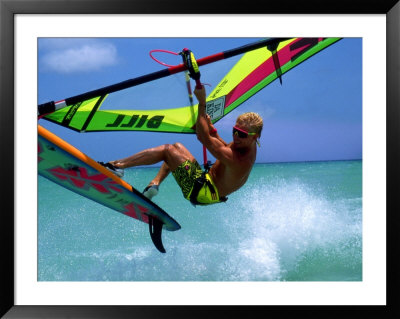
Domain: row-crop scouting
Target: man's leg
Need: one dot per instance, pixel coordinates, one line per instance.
(161, 175)
(152, 189)
(173, 155)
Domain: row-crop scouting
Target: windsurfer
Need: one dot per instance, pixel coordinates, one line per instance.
(233, 165)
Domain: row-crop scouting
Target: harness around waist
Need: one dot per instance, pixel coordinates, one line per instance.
(204, 191)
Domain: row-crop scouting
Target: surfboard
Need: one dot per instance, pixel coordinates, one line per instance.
(67, 166)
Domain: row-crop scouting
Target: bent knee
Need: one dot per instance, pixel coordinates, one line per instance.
(167, 148)
(178, 145)
(173, 148)
(177, 149)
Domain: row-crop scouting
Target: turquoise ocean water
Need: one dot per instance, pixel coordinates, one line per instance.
(290, 222)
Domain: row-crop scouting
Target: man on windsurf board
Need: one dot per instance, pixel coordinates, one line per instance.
(234, 161)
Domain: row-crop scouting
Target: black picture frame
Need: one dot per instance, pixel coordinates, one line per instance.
(8, 10)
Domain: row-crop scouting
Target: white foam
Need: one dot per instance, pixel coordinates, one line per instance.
(285, 220)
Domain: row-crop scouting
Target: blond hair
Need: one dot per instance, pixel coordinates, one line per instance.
(252, 120)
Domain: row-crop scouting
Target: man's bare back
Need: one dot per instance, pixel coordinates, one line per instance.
(230, 177)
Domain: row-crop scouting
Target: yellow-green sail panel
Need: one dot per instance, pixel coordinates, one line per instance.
(85, 117)
(255, 70)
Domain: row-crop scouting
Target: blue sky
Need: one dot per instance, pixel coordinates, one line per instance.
(315, 115)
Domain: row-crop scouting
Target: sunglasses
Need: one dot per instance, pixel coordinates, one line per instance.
(241, 133)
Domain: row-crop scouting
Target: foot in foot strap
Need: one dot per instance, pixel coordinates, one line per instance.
(117, 171)
(150, 191)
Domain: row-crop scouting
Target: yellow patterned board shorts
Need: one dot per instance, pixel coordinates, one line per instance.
(187, 175)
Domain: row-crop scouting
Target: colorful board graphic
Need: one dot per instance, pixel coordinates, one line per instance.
(65, 165)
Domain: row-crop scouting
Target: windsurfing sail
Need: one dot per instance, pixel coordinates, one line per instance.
(262, 63)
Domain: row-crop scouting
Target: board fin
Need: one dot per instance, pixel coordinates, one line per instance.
(155, 228)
